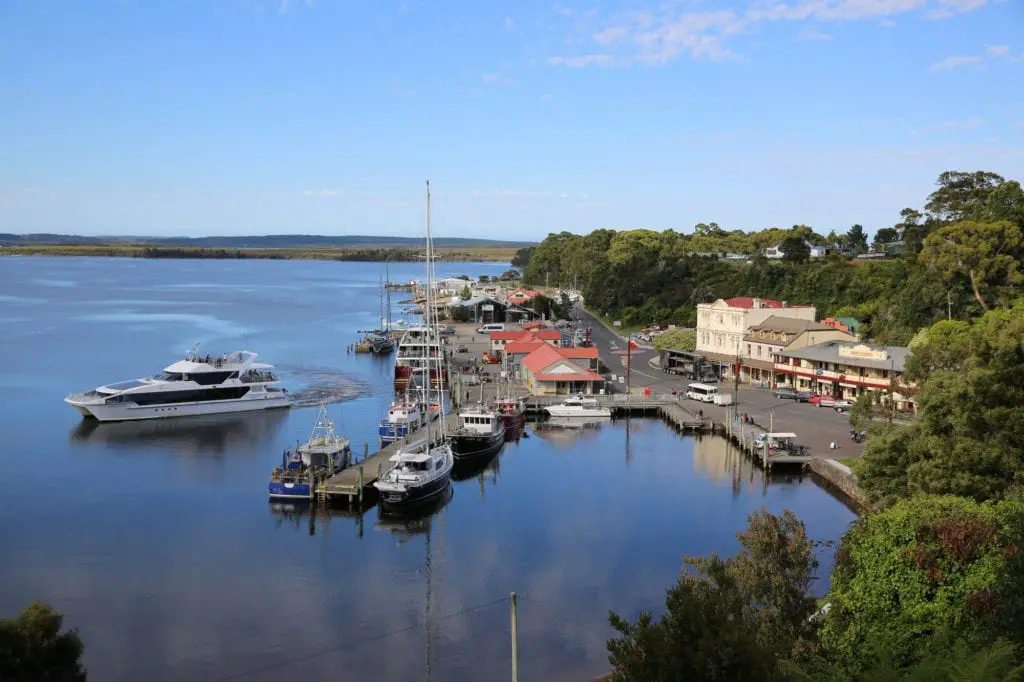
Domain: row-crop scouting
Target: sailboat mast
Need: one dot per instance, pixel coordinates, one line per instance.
(426, 317)
(387, 294)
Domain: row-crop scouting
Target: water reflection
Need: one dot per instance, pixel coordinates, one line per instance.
(567, 430)
(408, 524)
(207, 435)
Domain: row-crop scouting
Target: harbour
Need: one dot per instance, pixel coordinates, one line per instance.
(561, 516)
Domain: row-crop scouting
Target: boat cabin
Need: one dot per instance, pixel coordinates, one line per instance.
(580, 401)
(409, 465)
(478, 420)
(776, 441)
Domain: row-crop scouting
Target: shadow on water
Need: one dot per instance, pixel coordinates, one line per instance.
(194, 436)
(414, 522)
(324, 385)
(468, 470)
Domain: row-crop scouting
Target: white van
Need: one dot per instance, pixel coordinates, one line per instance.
(493, 327)
(705, 393)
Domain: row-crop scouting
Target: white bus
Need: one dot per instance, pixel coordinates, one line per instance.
(702, 392)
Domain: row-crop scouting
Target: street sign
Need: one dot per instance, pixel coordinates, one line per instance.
(617, 323)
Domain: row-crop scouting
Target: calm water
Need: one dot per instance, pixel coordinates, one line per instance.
(156, 539)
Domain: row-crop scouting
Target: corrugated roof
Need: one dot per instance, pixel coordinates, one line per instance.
(788, 325)
(577, 376)
(542, 358)
(523, 346)
(589, 352)
(829, 352)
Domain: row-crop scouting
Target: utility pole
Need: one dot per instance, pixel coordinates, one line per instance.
(949, 306)
(737, 380)
(628, 358)
(515, 640)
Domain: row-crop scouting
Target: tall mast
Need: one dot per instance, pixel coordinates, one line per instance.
(387, 294)
(426, 318)
(380, 301)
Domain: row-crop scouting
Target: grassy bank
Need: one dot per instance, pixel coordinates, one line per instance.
(126, 250)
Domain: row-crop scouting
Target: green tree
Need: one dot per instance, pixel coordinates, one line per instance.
(962, 195)
(726, 619)
(943, 659)
(676, 339)
(885, 235)
(926, 565)
(466, 293)
(968, 438)
(795, 249)
(983, 252)
(522, 257)
(33, 648)
(857, 239)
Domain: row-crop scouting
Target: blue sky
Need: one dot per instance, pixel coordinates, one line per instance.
(194, 117)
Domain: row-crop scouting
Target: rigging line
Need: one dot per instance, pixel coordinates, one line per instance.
(360, 642)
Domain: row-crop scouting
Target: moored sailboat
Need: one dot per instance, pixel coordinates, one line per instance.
(422, 472)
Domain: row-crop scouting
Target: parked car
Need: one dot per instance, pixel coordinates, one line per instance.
(827, 401)
(842, 405)
(462, 348)
(787, 393)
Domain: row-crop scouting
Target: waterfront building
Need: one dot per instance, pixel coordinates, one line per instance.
(549, 370)
(499, 340)
(722, 326)
(847, 369)
(777, 334)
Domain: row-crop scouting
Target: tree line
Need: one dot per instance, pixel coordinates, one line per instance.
(959, 258)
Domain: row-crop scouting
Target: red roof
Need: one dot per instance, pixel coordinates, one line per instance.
(589, 353)
(536, 325)
(523, 346)
(524, 293)
(509, 336)
(543, 357)
(748, 302)
(577, 376)
(548, 334)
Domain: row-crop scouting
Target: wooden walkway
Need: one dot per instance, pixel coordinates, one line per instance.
(351, 481)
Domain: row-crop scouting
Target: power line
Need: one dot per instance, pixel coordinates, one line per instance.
(350, 645)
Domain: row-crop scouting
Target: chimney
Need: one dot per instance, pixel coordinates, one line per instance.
(784, 304)
(757, 303)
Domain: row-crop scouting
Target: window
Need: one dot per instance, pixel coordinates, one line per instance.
(758, 350)
(748, 349)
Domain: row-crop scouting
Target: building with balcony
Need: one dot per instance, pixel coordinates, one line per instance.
(846, 369)
(776, 335)
(722, 326)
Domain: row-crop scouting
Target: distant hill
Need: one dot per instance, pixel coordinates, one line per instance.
(271, 241)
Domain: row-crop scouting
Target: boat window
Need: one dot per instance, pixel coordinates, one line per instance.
(167, 397)
(438, 465)
(168, 376)
(210, 378)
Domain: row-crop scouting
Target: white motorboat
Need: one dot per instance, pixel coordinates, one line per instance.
(234, 382)
(578, 406)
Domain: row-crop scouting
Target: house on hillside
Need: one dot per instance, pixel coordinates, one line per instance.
(776, 252)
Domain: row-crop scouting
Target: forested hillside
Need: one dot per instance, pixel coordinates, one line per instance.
(962, 254)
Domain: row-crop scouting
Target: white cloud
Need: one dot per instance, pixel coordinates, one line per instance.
(494, 79)
(950, 8)
(997, 50)
(546, 97)
(509, 22)
(564, 11)
(585, 60)
(955, 63)
(675, 28)
(888, 23)
(812, 34)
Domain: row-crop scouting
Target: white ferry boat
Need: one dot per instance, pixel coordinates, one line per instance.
(196, 385)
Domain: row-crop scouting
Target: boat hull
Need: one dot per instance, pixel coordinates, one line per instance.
(514, 424)
(280, 490)
(117, 412)
(414, 496)
(473, 446)
(560, 411)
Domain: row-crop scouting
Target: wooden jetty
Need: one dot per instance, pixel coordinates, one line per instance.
(361, 474)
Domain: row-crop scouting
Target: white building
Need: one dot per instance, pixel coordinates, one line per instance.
(722, 325)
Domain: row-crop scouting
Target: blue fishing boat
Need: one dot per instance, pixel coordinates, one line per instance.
(323, 455)
(404, 416)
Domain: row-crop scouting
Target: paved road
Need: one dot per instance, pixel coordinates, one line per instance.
(816, 427)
